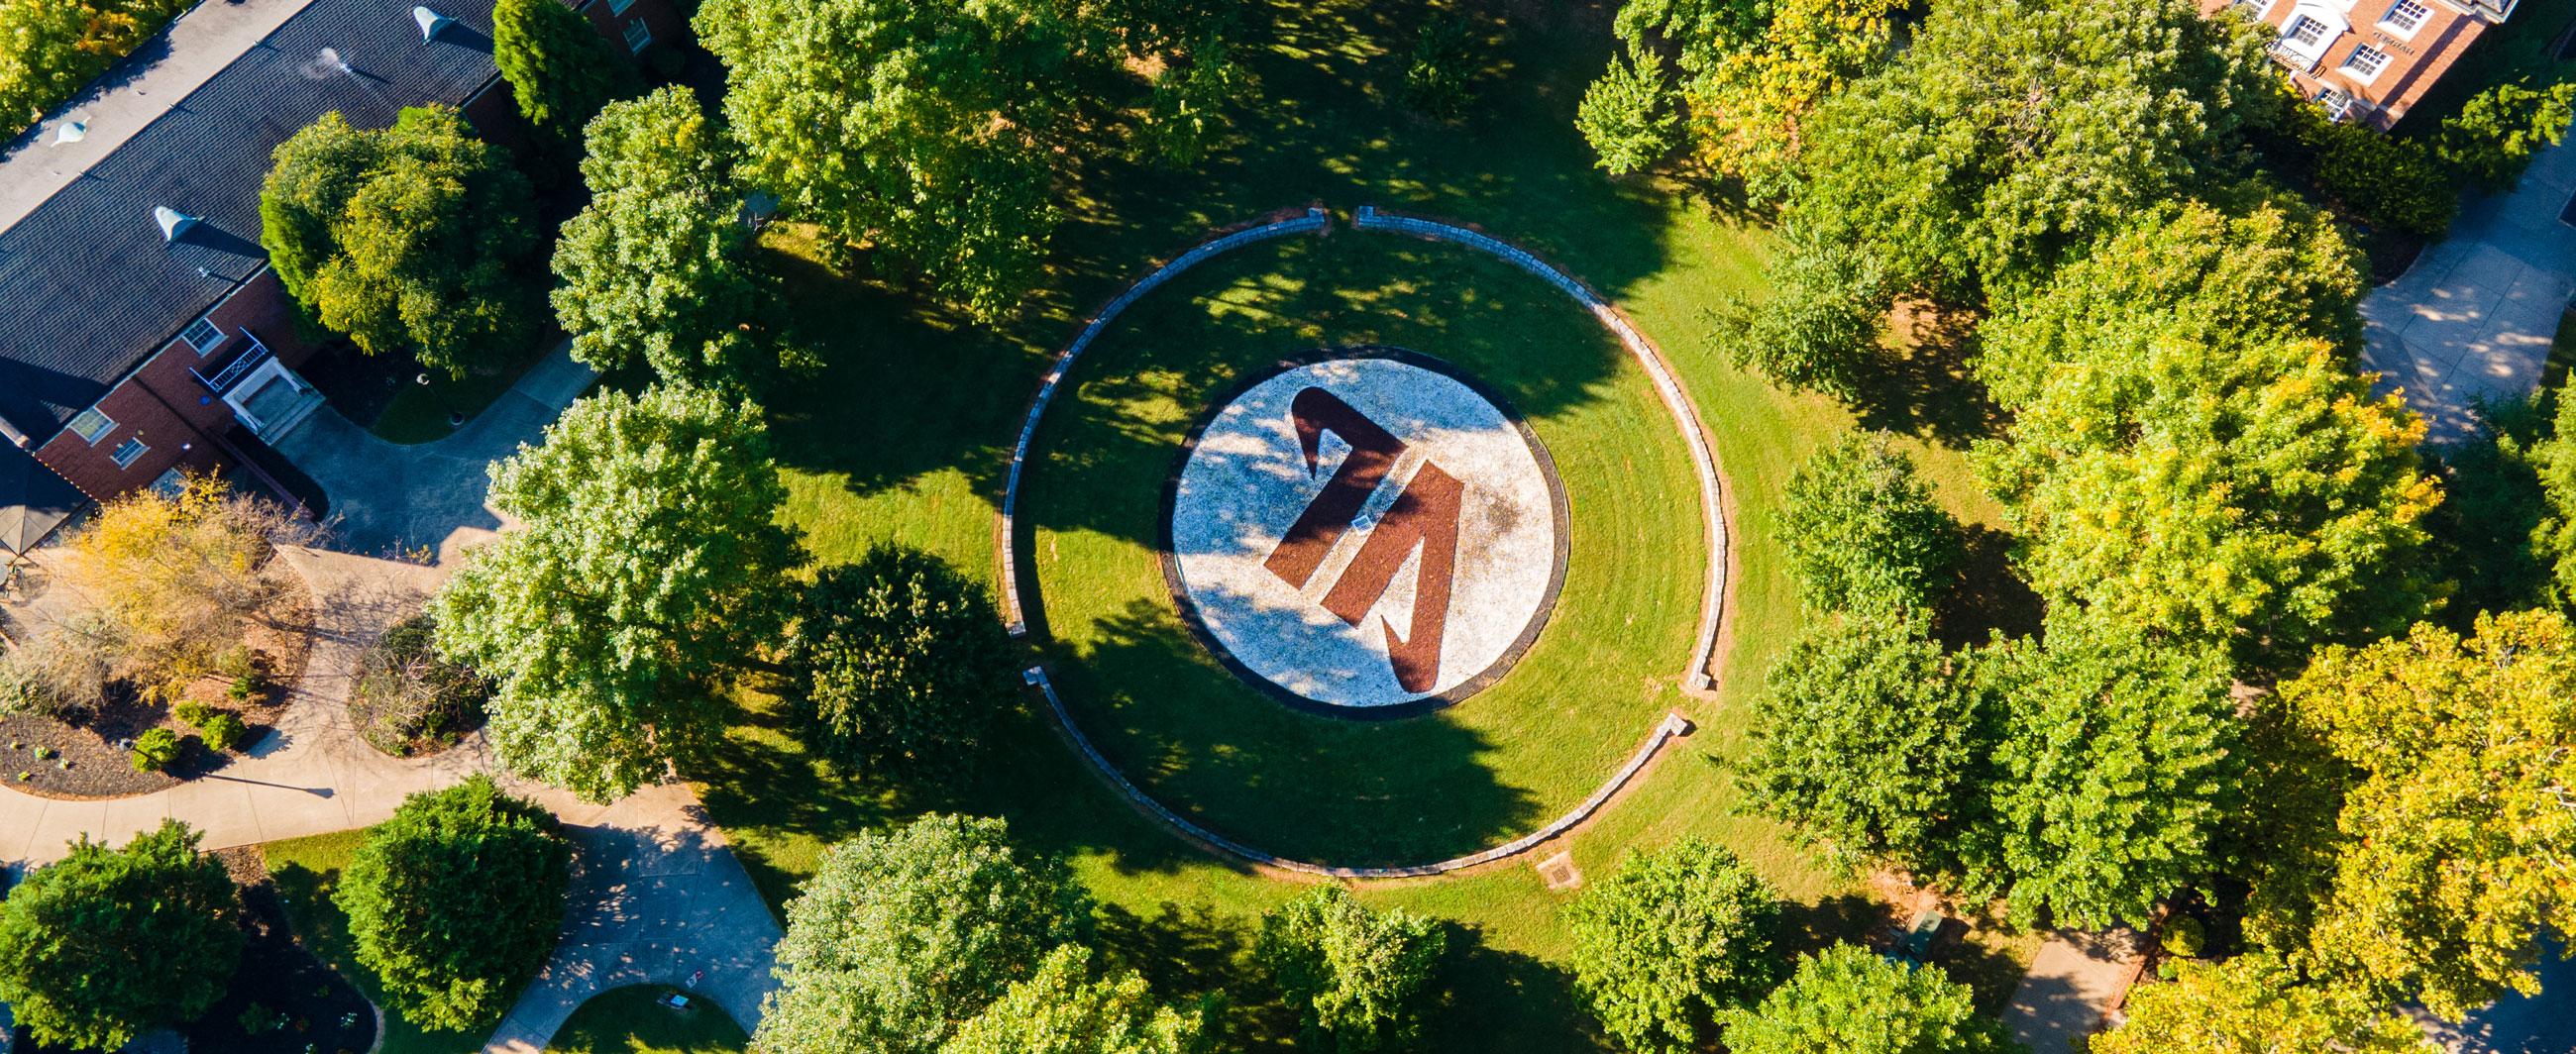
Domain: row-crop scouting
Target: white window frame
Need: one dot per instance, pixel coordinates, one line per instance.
(129, 452)
(2352, 66)
(2388, 19)
(106, 425)
(638, 37)
(189, 335)
(2290, 32)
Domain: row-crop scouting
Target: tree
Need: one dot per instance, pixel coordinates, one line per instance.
(650, 566)
(1870, 741)
(2458, 836)
(1848, 1000)
(2552, 462)
(656, 265)
(2191, 451)
(1750, 74)
(2011, 136)
(2253, 1004)
(1821, 323)
(1440, 70)
(560, 69)
(1061, 1010)
(902, 937)
(2498, 131)
(1356, 978)
(902, 660)
(1187, 109)
(1862, 531)
(930, 130)
(456, 901)
(107, 944)
(414, 238)
(2384, 180)
(1669, 941)
(2114, 772)
(56, 48)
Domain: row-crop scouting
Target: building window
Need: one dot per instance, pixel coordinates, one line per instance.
(637, 35)
(2365, 62)
(2406, 16)
(92, 425)
(2304, 31)
(127, 451)
(202, 335)
(2337, 104)
(618, 7)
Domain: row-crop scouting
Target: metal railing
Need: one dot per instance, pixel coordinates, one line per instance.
(233, 372)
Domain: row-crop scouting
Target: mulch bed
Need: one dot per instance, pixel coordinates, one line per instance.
(297, 1003)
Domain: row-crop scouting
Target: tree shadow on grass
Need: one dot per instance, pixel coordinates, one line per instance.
(1523, 1002)
(1988, 597)
(1924, 385)
(1194, 957)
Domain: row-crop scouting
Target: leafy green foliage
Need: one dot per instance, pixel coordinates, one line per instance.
(413, 238)
(1187, 110)
(223, 730)
(1669, 941)
(560, 69)
(1440, 69)
(2113, 774)
(2458, 836)
(2498, 131)
(902, 660)
(656, 266)
(56, 47)
(902, 937)
(1750, 74)
(1820, 325)
(1848, 1000)
(456, 901)
(1358, 979)
(649, 567)
(2385, 180)
(106, 944)
(1868, 741)
(2253, 1003)
(2497, 536)
(2010, 136)
(2552, 463)
(1061, 1010)
(2191, 451)
(928, 129)
(1862, 531)
(155, 749)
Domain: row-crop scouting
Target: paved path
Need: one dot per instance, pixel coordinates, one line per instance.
(396, 497)
(2473, 319)
(2071, 986)
(146, 84)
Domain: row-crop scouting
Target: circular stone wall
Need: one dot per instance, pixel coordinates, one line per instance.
(1367, 533)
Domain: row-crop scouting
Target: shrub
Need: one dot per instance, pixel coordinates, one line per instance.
(1443, 62)
(155, 749)
(2385, 180)
(192, 713)
(223, 730)
(1863, 532)
(2185, 936)
(455, 902)
(2496, 133)
(1848, 1000)
(407, 694)
(1671, 940)
(1357, 978)
(902, 660)
(108, 944)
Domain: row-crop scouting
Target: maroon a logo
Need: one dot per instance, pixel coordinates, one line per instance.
(1425, 514)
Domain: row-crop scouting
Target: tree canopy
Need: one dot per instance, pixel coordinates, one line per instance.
(901, 661)
(56, 48)
(2253, 1003)
(649, 566)
(107, 944)
(560, 69)
(1669, 941)
(657, 265)
(2458, 836)
(1359, 980)
(903, 937)
(1061, 1009)
(2191, 451)
(1849, 1000)
(1862, 531)
(415, 238)
(455, 902)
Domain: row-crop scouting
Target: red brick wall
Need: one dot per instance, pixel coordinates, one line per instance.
(2415, 60)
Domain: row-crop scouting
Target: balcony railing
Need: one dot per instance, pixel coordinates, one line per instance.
(233, 372)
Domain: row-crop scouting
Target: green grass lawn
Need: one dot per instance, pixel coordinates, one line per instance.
(306, 870)
(905, 433)
(632, 1020)
(419, 413)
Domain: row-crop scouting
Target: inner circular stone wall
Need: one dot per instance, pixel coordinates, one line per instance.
(1366, 532)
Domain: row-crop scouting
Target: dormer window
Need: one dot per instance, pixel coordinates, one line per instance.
(2304, 31)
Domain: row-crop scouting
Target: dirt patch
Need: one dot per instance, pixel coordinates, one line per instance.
(55, 759)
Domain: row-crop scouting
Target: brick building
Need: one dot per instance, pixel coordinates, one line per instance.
(2367, 61)
(141, 330)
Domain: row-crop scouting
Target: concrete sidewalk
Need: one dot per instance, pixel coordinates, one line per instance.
(2073, 982)
(2474, 317)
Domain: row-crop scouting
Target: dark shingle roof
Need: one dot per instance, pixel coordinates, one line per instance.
(87, 288)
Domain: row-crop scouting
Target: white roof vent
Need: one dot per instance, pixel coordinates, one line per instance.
(71, 132)
(174, 223)
(431, 22)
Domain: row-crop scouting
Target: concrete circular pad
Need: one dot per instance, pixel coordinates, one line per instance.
(1365, 533)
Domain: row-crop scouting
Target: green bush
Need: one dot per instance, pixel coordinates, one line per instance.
(192, 713)
(1443, 61)
(223, 730)
(455, 902)
(1670, 941)
(107, 944)
(2497, 132)
(1359, 980)
(2384, 180)
(902, 661)
(2185, 936)
(155, 749)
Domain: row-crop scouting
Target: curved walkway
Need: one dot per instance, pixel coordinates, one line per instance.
(1676, 401)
